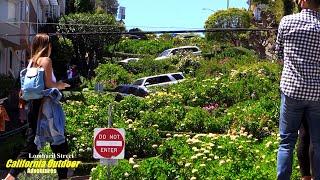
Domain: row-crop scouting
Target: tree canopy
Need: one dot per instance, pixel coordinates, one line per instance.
(82, 6)
(230, 18)
(96, 31)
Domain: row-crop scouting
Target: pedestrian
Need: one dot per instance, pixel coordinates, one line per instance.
(298, 46)
(41, 50)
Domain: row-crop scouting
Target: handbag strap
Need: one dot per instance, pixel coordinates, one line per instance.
(30, 64)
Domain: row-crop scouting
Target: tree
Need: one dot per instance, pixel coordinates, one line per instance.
(279, 8)
(140, 35)
(63, 52)
(93, 36)
(109, 6)
(231, 18)
(263, 41)
(83, 6)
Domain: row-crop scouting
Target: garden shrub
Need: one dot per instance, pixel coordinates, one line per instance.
(134, 46)
(227, 156)
(156, 168)
(196, 120)
(111, 75)
(258, 117)
(188, 63)
(130, 107)
(122, 171)
(150, 67)
(162, 99)
(84, 112)
(165, 118)
(140, 141)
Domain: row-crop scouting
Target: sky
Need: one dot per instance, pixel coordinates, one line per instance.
(157, 15)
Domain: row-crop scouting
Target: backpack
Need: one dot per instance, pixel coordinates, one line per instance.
(32, 82)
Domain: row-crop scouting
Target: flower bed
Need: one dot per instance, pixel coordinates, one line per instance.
(218, 126)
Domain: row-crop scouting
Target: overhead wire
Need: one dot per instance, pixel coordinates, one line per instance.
(150, 32)
(95, 25)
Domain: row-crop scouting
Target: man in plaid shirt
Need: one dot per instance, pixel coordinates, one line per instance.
(298, 46)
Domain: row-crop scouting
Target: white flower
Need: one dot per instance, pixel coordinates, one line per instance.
(194, 171)
(131, 161)
(216, 157)
(126, 174)
(222, 162)
(187, 164)
(195, 149)
(268, 144)
(81, 150)
(74, 139)
(135, 166)
(93, 169)
(202, 165)
(194, 157)
(154, 146)
(193, 178)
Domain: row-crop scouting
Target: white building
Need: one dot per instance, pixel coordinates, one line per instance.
(18, 19)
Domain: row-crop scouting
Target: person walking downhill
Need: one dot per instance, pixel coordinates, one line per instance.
(298, 46)
(41, 50)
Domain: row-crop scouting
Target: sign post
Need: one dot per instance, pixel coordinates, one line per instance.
(109, 144)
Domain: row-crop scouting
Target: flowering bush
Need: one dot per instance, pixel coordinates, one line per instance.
(111, 75)
(224, 156)
(236, 97)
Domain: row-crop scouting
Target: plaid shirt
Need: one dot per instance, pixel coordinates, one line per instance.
(298, 45)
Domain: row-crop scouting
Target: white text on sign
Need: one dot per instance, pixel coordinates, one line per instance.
(113, 136)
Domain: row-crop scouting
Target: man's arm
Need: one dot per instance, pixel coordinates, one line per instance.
(279, 42)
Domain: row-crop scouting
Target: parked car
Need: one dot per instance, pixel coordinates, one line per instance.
(173, 51)
(129, 89)
(159, 80)
(126, 61)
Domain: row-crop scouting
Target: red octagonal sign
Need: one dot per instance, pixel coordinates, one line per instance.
(109, 143)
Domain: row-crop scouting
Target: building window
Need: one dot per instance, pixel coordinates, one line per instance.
(21, 11)
(13, 13)
(10, 54)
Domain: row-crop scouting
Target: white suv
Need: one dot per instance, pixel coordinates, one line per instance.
(173, 51)
(159, 80)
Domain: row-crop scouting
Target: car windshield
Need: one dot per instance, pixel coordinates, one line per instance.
(164, 53)
(138, 82)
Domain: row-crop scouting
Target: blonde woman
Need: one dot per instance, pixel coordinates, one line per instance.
(41, 50)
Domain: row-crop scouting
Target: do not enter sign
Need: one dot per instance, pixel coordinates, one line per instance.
(109, 143)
